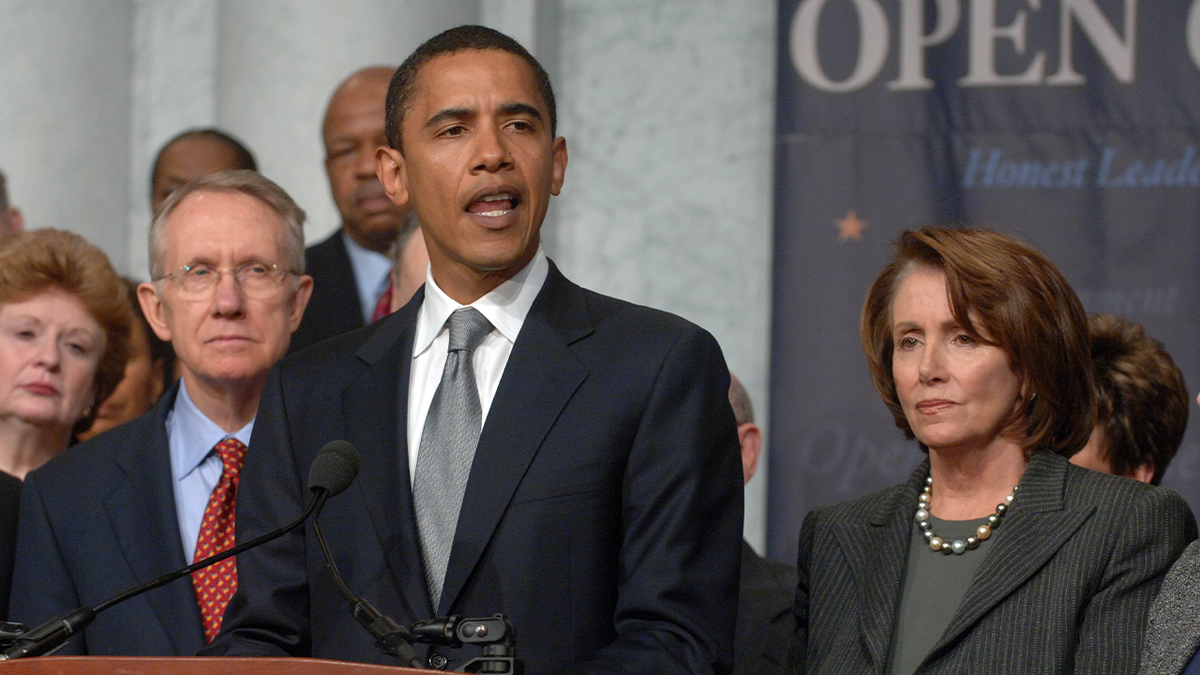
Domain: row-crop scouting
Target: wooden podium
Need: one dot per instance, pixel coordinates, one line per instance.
(193, 665)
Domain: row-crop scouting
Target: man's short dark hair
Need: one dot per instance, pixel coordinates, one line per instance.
(403, 87)
(3, 193)
(1141, 399)
(242, 158)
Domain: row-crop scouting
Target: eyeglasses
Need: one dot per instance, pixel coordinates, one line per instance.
(255, 279)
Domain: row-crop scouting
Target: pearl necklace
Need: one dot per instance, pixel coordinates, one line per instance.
(958, 546)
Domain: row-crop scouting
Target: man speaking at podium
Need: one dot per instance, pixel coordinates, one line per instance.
(529, 447)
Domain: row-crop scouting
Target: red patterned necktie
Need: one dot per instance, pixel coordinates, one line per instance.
(383, 306)
(215, 584)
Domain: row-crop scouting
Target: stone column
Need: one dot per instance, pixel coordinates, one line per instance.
(667, 111)
(174, 64)
(278, 61)
(65, 114)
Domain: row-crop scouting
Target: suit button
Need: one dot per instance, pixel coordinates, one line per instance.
(438, 661)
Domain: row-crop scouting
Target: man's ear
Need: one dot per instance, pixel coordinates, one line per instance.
(559, 158)
(304, 289)
(153, 310)
(750, 438)
(393, 173)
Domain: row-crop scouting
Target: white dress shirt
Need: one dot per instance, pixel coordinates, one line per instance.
(195, 468)
(371, 275)
(506, 307)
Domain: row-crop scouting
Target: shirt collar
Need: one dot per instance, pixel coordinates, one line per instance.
(506, 306)
(191, 435)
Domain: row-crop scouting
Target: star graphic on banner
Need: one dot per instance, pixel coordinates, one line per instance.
(851, 227)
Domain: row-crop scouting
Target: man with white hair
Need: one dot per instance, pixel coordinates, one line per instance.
(227, 259)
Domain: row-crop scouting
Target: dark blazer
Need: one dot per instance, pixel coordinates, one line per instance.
(334, 307)
(100, 519)
(1066, 585)
(1173, 631)
(603, 513)
(10, 510)
(765, 620)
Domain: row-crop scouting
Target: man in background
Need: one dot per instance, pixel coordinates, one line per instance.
(11, 220)
(410, 262)
(150, 496)
(351, 269)
(768, 590)
(193, 154)
(1141, 400)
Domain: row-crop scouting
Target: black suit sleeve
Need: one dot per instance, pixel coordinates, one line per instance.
(42, 586)
(10, 510)
(682, 505)
(269, 616)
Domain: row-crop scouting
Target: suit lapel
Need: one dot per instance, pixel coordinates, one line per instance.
(150, 540)
(541, 376)
(878, 559)
(375, 406)
(1032, 532)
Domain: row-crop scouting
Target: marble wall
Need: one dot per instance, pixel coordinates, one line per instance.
(666, 105)
(65, 81)
(264, 71)
(668, 111)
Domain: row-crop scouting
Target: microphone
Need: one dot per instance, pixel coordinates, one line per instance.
(334, 468)
(342, 459)
(332, 471)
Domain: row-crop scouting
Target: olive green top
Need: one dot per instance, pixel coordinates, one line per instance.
(934, 586)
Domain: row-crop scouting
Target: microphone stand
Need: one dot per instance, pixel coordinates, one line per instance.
(391, 637)
(53, 633)
(495, 634)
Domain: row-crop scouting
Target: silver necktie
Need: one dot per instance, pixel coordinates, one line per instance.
(448, 447)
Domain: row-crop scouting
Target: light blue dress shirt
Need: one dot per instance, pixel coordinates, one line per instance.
(371, 272)
(195, 468)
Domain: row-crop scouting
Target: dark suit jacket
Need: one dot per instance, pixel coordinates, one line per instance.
(10, 510)
(98, 520)
(1065, 587)
(765, 620)
(334, 307)
(603, 513)
(1173, 631)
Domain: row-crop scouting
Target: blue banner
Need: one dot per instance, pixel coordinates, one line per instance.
(1070, 123)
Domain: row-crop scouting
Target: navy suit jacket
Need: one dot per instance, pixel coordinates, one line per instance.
(10, 509)
(603, 513)
(334, 307)
(98, 520)
(765, 619)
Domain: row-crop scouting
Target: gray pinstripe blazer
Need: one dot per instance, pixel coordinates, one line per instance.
(1173, 631)
(1065, 587)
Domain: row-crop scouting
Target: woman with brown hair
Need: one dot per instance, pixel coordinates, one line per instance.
(997, 555)
(64, 339)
